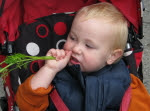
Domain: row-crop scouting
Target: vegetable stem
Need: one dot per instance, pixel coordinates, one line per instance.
(20, 60)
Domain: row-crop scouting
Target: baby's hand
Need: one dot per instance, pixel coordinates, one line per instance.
(62, 58)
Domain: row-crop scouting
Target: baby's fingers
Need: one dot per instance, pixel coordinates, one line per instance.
(57, 53)
(67, 55)
(51, 52)
(60, 54)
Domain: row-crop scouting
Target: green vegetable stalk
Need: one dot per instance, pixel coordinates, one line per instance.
(19, 60)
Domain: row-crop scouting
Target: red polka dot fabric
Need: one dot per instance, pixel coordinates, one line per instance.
(60, 28)
(42, 30)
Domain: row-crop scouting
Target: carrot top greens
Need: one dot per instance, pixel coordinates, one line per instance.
(20, 61)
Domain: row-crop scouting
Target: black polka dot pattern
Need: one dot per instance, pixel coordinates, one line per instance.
(38, 36)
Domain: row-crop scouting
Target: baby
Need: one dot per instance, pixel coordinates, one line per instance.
(95, 77)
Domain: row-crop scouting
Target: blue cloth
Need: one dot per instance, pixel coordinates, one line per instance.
(97, 91)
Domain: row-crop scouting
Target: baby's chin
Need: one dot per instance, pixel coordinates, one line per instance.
(71, 64)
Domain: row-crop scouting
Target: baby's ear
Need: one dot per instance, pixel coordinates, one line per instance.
(116, 54)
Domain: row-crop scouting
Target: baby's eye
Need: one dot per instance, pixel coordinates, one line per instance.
(89, 46)
(72, 38)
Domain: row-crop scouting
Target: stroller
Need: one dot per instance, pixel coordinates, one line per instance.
(32, 28)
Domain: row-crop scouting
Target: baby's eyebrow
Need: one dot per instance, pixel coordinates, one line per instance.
(72, 33)
(90, 41)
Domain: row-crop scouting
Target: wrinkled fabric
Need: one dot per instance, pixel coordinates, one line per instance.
(32, 100)
(93, 91)
(78, 91)
(140, 97)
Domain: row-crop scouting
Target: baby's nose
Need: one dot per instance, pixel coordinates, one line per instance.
(77, 49)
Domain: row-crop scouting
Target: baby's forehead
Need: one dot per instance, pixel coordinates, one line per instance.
(86, 16)
(98, 26)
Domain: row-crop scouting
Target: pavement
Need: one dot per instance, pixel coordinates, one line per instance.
(146, 44)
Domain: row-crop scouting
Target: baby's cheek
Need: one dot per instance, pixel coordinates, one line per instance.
(90, 62)
(91, 59)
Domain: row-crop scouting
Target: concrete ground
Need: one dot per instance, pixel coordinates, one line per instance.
(146, 44)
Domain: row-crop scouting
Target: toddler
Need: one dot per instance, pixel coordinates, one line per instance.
(88, 72)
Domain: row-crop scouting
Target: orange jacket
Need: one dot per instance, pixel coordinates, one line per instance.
(140, 98)
(32, 100)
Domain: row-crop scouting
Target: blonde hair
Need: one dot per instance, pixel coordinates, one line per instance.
(112, 15)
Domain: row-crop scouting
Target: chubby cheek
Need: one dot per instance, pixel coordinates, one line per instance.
(88, 63)
(93, 64)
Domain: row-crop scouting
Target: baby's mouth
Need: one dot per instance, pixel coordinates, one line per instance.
(74, 61)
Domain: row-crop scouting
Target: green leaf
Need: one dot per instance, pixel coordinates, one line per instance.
(19, 60)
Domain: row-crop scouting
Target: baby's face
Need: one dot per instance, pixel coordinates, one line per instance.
(90, 42)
